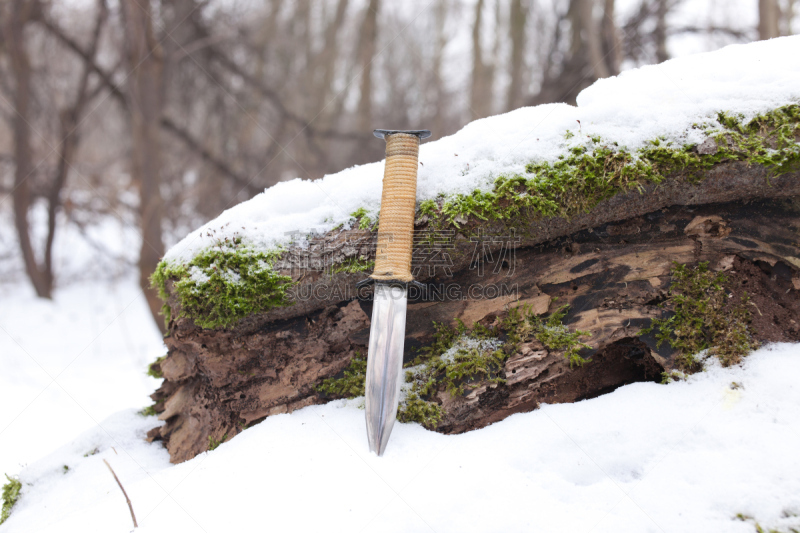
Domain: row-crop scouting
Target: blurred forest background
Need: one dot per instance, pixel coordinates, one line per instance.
(126, 123)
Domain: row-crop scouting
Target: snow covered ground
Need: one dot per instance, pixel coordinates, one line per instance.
(70, 363)
(684, 457)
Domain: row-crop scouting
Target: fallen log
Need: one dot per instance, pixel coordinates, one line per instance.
(612, 266)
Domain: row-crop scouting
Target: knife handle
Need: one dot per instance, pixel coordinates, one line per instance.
(398, 205)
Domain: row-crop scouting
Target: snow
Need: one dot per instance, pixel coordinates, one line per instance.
(686, 457)
(664, 100)
(69, 363)
(465, 343)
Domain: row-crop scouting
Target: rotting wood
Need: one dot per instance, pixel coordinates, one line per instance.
(613, 275)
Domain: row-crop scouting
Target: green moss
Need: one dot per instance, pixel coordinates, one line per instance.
(11, 492)
(457, 359)
(461, 358)
(586, 175)
(463, 364)
(428, 208)
(150, 410)
(760, 529)
(213, 443)
(522, 325)
(154, 368)
(361, 216)
(672, 376)
(703, 318)
(415, 409)
(353, 265)
(443, 338)
(351, 384)
(222, 285)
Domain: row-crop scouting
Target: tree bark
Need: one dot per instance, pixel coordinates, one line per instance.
(589, 35)
(612, 46)
(768, 19)
(145, 96)
(477, 94)
(585, 61)
(517, 22)
(70, 139)
(437, 81)
(366, 53)
(660, 34)
(18, 16)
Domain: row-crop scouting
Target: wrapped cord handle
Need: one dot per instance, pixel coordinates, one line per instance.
(398, 205)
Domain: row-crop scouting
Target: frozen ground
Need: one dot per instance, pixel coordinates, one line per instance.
(684, 457)
(70, 363)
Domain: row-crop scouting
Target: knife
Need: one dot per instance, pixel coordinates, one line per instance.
(391, 276)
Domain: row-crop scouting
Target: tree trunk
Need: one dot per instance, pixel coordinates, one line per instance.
(585, 61)
(768, 18)
(145, 94)
(518, 18)
(366, 53)
(612, 46)
(477, 94)
(590, 36)
(788, 17)
(660, 34)
(327, 61)
(438, 87)
(70, 139)
(612, 267)
(19, 15)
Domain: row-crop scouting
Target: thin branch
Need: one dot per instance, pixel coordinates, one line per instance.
(195, 146)
(273, 97)
(739, 34)
(130, 506)
(168, 124)
(70, 43)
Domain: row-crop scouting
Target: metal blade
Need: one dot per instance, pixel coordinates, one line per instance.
(384, 363)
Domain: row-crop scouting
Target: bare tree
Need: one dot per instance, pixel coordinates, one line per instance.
(145, 96)
(660, 33)
(612, 46)
(22, 13)
(585, 61)
(768, 19)
(518, 19)
(17, 19)
(480, 99)
(368, 36)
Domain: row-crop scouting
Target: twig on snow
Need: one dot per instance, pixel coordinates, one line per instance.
(130, 506)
